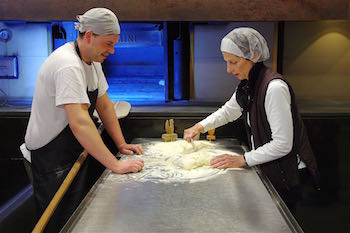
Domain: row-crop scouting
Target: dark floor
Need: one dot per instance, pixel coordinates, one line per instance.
(21, 220)
(323, 211)
(332, 217)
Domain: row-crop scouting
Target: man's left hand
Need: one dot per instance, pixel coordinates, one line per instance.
(130, 149)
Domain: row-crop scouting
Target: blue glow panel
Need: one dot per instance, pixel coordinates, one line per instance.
(8, 67)
(136, 72)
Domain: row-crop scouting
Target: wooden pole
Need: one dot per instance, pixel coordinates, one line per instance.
(50, 209)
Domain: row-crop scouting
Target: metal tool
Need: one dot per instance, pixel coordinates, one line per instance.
(193, 145)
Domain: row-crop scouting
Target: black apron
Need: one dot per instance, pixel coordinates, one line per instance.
(51, 164)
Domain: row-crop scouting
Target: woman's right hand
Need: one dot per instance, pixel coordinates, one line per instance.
(129, 166)
(193, 133)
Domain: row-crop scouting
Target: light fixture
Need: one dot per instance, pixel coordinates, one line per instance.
(5, 35)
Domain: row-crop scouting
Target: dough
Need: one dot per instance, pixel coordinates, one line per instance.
(201, 157)
(183, 154)
(178, 147)
(194, 160)
(199, 146)
(196, 157)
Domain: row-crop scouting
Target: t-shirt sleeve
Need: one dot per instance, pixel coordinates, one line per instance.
(71, 86)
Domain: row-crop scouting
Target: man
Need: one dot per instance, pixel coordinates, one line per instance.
(70, 85)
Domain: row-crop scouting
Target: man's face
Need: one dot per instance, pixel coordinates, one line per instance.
(102, 46)
(237, 66)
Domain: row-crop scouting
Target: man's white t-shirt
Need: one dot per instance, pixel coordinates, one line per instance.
(63, 79)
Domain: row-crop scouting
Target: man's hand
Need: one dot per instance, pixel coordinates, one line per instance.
(130, 149)
(193, 133)
(129, 165)
(227, 161)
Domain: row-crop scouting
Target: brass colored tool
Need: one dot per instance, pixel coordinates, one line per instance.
(169, 134)
(169, 126)
(211, 136)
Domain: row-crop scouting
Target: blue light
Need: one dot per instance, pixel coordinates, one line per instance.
(5, 35)
(138, 68)
(137, 72)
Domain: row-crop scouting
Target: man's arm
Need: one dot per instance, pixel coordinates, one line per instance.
(105, 109)
(86, 133)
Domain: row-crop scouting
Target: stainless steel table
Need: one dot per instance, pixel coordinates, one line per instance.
(235, 201)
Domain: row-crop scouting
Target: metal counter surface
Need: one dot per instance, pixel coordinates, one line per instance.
(235, 201)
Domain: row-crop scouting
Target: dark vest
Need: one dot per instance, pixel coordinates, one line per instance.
(282, 172)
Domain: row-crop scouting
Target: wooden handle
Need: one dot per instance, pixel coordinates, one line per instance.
(50, 209)
(171, 122)
(167, 127)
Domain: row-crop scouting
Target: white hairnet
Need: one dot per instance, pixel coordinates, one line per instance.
(243, 42)
(101, 21)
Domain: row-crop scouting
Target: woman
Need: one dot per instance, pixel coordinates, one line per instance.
(267, 103)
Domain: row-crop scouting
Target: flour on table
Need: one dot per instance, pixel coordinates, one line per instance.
(177, 161)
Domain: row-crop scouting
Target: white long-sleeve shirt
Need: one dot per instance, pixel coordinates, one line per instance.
(279, 115)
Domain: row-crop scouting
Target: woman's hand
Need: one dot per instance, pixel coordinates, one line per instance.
(193, 133)
(130, 149)
(227, 161)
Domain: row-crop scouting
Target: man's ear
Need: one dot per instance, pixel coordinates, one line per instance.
(88, 35)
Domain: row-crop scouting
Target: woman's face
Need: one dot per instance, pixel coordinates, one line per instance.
(237, 66)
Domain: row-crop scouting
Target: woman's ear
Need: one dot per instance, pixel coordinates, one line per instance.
(256, 57)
